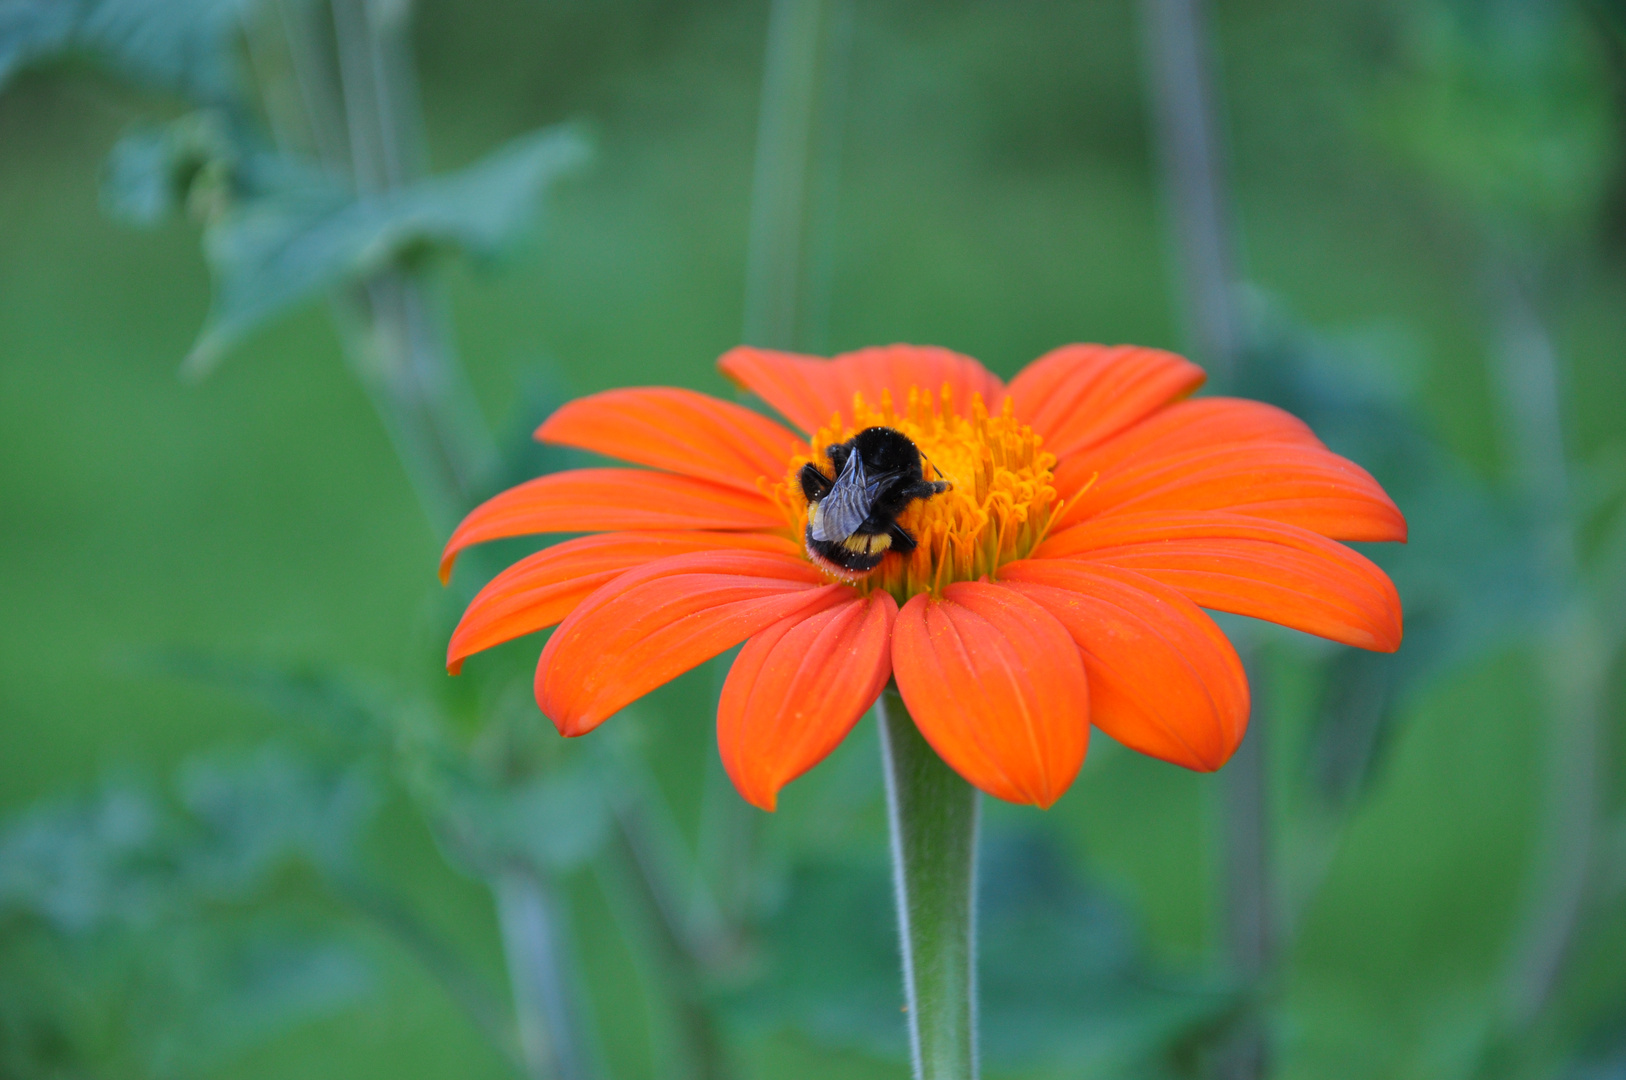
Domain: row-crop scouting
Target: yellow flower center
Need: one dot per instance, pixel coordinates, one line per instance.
(1000, 505)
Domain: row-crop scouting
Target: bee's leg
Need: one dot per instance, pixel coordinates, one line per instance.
(838, 456)
(922, 489)
(815, 485)
(902, 542)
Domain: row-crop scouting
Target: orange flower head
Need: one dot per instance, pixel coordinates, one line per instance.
(1057, 584)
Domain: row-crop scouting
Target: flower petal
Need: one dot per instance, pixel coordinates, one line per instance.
(797, 688)
(1164, 680)
(653, 623)
(1287, 482)
(680, 431)
(541, 589)
(1078, 395)
(1201, 422)
(591, 500)
(1247, 566)
(807, 390)
(996, 685)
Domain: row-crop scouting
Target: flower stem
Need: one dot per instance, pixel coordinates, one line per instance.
(933, 818)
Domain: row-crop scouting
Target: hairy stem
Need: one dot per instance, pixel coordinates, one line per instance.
(933, 816)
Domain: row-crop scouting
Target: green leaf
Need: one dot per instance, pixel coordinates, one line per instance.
(270, 253)
(547, 814)
(201, 161)
(259, 812)
(233, 987)
(135, 937)
(78, 864)
(1508, 109)
(180, 45)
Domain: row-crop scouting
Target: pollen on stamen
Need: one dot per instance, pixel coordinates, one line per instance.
(999, 506)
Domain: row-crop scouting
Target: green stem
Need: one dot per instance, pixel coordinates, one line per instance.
(933, 818)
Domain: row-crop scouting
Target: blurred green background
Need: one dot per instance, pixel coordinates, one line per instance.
(1428, 201)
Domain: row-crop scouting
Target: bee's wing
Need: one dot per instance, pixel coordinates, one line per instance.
(847, 504)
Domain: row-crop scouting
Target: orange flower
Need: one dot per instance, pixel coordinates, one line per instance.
(1057, 585)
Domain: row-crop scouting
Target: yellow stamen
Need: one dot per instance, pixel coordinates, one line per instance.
(999, 508)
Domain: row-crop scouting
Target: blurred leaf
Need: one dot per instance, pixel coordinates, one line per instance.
(132, 939)
(255, 814)
(543, 814)
(234, 989)
(1065, 978)
(182, 45)
(124, 857)
(1461, 575)
(81, 863)
(270, 253)
(556, 821)
(203, 162)
(1506, 106)
(346, 707)
(1063, 975)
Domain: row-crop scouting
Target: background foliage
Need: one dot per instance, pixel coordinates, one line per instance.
(251, 830)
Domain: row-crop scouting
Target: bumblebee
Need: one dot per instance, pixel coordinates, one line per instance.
(852, 521)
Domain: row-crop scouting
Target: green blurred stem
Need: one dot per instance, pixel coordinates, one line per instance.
(1573, 648)
(398, 339)
(1191, 161)
(404, 356)
(531, 933)
(699, 1052)
(1192, 164)
(932, 812)
(797, 131)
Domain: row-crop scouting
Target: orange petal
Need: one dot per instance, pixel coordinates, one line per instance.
(996, 685)
(591, 500)
(807, 390)
(653, 623)
(1201, 422)
(677, 430)
(1163, 678)
(541, 589)
(1248, 566)
(797, 688)
(1287, 482)
(1078, 395)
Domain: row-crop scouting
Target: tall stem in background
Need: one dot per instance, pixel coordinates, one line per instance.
(1189, 149)
(406, 363)
(542, 1007)
(1192, 165)
(1572, 653)
(932, 813)
(398, 339)
(805, 60)
(789, 265)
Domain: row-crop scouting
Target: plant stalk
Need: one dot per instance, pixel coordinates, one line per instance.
(1192, 165)
(933, 815)
(542, 1006)
(366, 115)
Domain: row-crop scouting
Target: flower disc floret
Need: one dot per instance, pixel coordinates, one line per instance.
(1001, 502)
